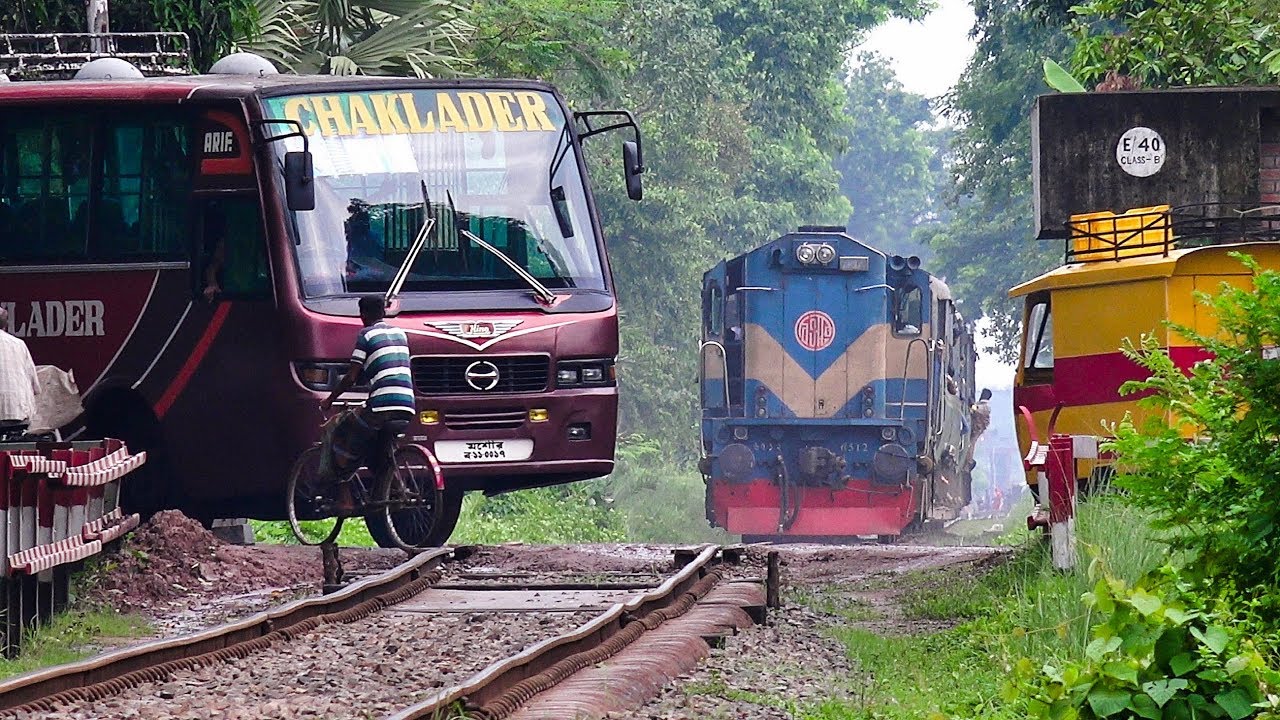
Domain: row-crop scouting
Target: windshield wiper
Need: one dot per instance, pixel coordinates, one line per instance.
(402, 274)
(540, 291)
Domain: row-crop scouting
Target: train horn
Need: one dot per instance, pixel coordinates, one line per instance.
(897, 262)
(913, 263)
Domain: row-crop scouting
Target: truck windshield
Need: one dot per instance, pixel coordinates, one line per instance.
(498, 164)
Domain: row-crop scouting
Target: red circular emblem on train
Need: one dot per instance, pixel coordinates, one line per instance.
(815, 330)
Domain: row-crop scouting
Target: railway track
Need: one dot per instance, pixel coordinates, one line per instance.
(424, 640)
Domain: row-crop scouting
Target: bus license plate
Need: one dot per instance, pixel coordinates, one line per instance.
(482, 451)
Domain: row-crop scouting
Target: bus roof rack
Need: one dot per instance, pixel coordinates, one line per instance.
(1142, 232)
(58, 56)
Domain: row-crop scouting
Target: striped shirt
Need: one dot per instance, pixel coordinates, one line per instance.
(383, 352)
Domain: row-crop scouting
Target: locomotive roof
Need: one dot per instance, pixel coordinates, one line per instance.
(226, 87)
(1212, 259)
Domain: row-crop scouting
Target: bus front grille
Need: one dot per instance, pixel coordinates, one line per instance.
(484, 419)
(475, 374)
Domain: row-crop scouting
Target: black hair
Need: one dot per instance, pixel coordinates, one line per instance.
(373, 307)
(986, 394)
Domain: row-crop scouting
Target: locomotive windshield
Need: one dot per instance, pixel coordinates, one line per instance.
(495, 164)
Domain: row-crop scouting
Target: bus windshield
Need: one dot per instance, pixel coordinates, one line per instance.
(496, 164)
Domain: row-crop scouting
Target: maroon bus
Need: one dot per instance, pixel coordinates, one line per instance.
(194, 248)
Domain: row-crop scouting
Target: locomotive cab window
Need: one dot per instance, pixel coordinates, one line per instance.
(908, 311)
(713, 311)
(1037, 351)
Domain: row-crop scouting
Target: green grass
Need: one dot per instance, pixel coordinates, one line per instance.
(834, 601)
(277, 532)
(647, 499)
(70, 637)
(574, 513)
(662, 503)
(1020, 608)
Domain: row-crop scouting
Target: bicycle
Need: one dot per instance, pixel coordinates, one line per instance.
(402, 508)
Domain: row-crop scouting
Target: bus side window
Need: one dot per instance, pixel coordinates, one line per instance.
(146, 180)
(44, 186)
(234, 249)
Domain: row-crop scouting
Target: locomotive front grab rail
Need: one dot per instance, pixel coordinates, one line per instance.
(906, 369)
(702, 381)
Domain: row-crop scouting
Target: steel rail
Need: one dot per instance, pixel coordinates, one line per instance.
(112, 672)
(505, 684)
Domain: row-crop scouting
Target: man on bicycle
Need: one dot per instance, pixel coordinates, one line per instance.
(362, 436)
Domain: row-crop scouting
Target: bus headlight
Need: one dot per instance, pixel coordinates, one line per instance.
(320, 375)
(585, 373)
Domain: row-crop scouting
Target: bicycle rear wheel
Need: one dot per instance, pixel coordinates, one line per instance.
(412, 514)
(309, 508)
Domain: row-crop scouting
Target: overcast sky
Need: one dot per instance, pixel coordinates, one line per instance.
(929, 57)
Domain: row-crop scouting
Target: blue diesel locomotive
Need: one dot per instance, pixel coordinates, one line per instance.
(837, 385)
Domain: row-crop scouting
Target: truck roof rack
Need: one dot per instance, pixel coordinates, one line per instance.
(57, 56)
(1147, 231)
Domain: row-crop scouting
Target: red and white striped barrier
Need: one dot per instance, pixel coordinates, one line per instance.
(46, 557)
(58, 506)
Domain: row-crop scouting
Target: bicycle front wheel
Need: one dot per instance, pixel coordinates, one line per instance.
(411, 516)
(310, 510)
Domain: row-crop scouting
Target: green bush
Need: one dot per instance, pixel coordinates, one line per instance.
(1162, 651)
(354, 533)
(1217, 494)
(1196, 638)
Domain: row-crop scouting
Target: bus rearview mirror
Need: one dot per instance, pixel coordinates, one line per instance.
(632, 169)
(299, 182)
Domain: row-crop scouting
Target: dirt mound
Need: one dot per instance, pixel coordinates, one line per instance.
(173, 556)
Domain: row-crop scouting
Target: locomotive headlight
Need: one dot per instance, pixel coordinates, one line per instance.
(806, 253)
(826, 253)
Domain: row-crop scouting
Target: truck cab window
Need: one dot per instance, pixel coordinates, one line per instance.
(1038, 349)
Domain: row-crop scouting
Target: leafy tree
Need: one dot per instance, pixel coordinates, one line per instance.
(1178, 42)
(781, 41)
(42, 16)
(565, 41)
(422, 38)
(986, 244)
(742, 110)
(888, 172)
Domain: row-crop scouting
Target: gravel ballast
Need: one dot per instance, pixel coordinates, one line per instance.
(364, 669)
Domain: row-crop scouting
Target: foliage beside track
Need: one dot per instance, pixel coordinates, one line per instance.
(1198, 637)
(1173, 612)
(1019, 609)
(72, 635)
